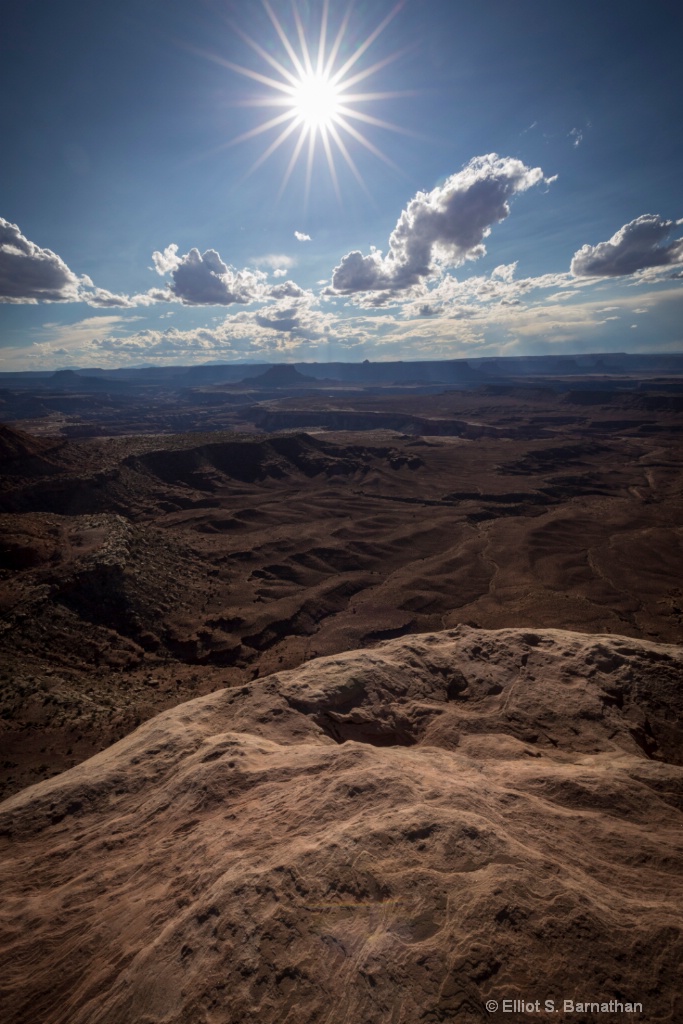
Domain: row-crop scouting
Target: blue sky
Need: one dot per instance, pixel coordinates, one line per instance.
(514, 188)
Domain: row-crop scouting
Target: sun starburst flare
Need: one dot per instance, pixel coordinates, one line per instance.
(318, 97)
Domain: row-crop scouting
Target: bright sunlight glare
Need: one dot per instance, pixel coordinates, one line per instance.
(316, 101)
(316, 92)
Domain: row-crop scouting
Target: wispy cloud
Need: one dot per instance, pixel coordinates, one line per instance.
(278, 262)
(488, 316)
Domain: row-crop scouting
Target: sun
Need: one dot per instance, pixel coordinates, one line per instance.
(316, 101)
(316, 92)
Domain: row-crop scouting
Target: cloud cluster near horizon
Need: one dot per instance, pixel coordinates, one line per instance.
(300, 330)
(436, 233)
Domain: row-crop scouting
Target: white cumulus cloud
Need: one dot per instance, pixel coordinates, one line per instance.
(286, 290)
(440, 229)
(301, 237)
(31, 274)
(167, 261)
(638, 245)
(203, 279)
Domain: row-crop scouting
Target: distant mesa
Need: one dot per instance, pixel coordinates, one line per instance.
(461, 373)
(65, 377)
(282, 376)
(70, 380)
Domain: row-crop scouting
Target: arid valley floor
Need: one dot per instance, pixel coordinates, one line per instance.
(395, 668)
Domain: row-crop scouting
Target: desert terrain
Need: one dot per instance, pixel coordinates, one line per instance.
(394, 667)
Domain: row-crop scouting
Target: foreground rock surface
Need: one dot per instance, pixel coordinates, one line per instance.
(391, 835)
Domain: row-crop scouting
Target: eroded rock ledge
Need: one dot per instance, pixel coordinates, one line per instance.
(396, 834)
